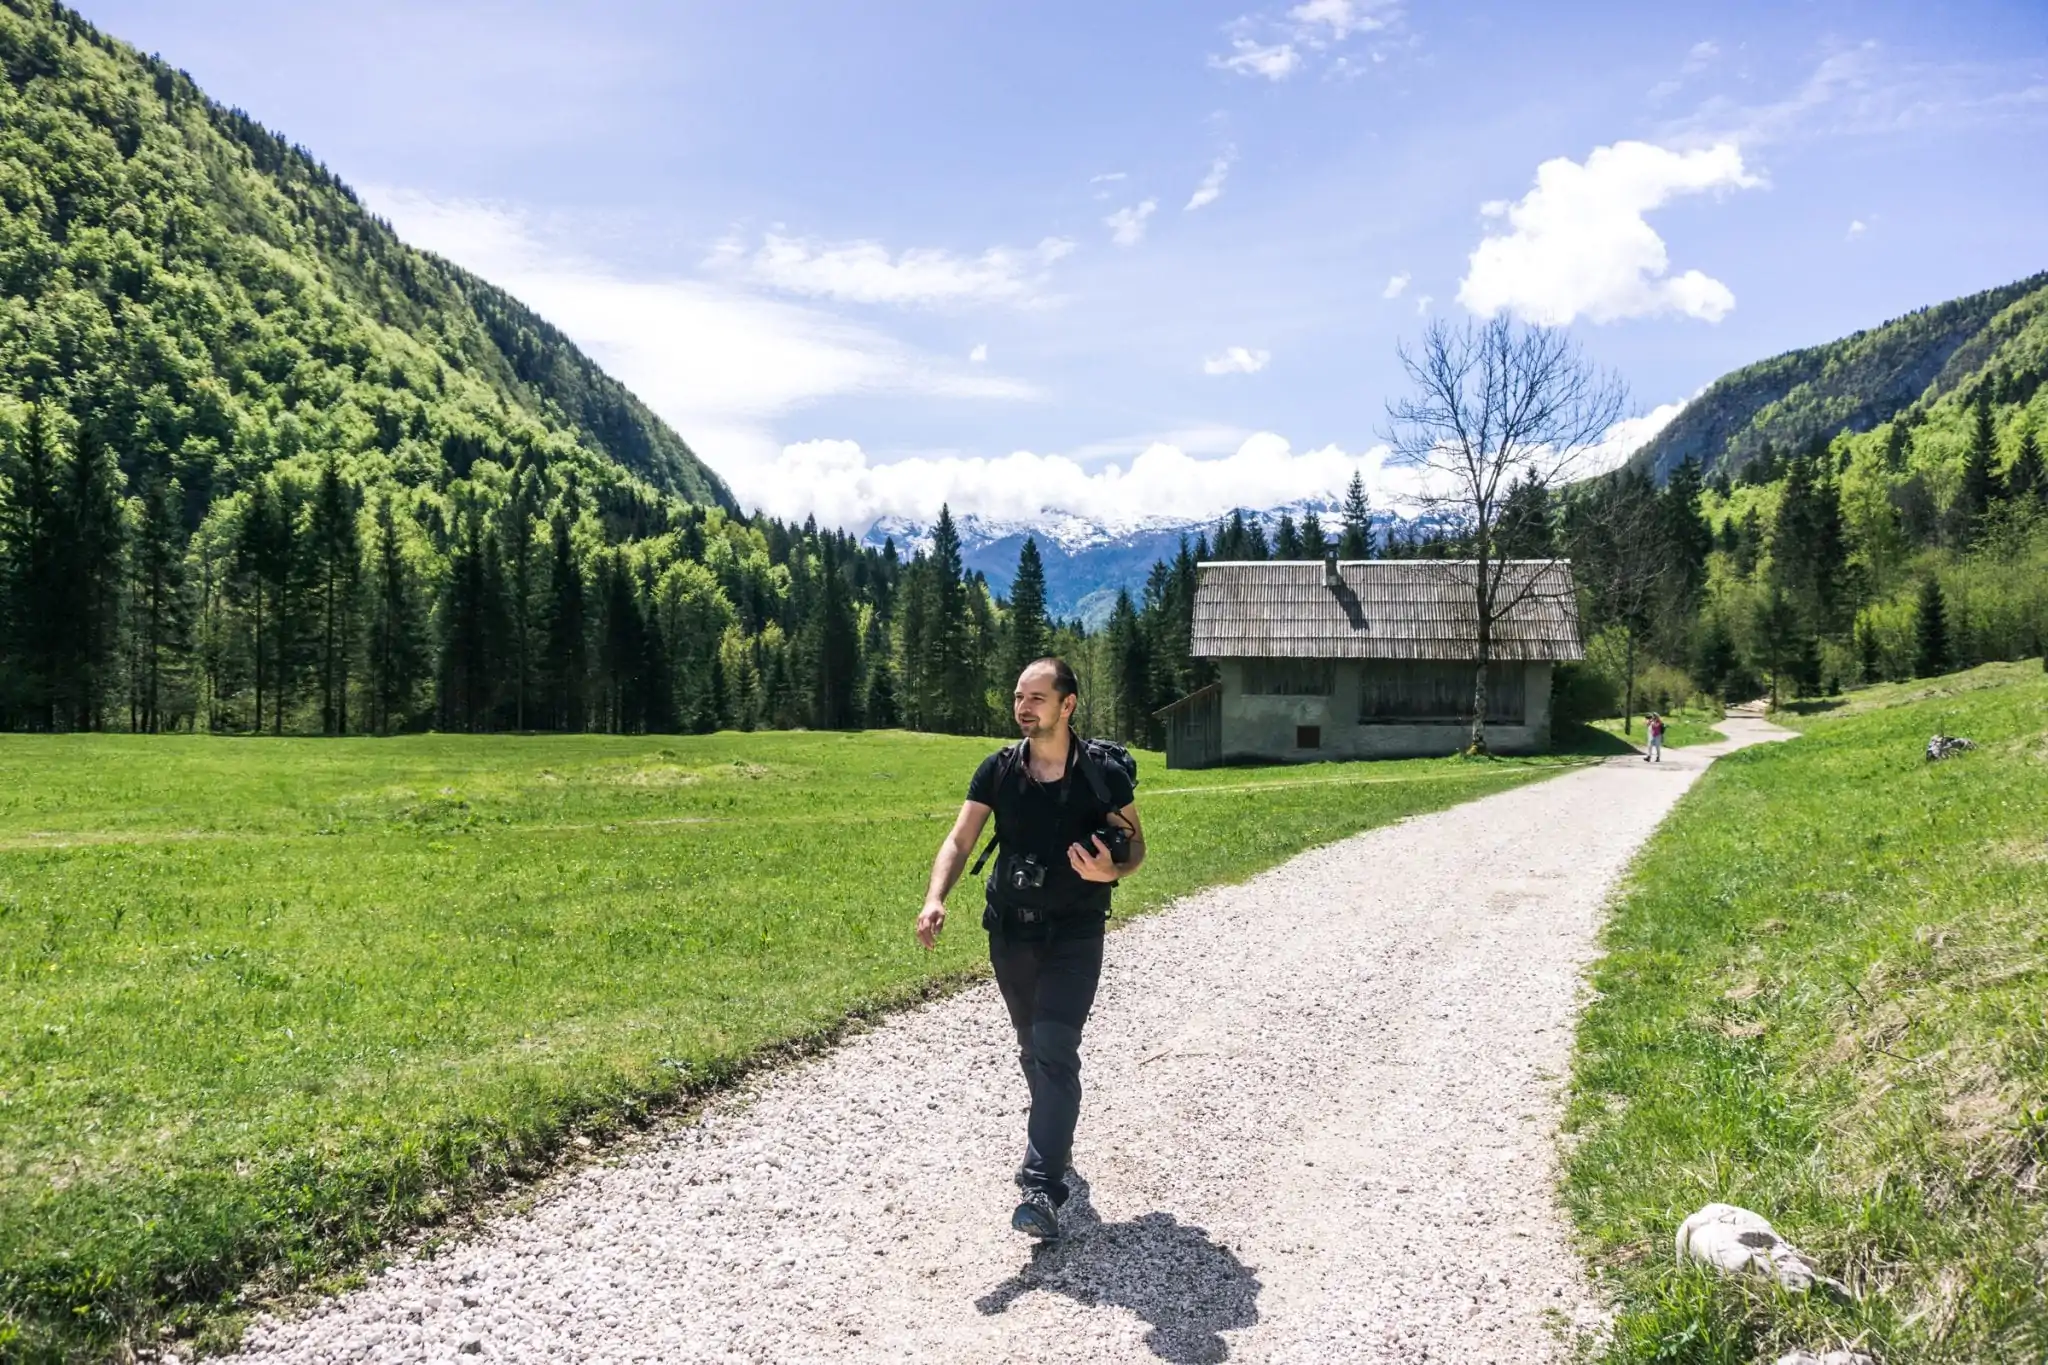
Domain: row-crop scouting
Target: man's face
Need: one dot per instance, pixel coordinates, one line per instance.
(1038, 707)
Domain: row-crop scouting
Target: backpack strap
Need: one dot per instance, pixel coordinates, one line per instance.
(1006, 763)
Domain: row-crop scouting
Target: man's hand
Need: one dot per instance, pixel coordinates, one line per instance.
(930, 923)
(1095, 865)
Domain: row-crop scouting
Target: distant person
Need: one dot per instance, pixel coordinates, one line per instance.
(1654, 723)
(1068, 830)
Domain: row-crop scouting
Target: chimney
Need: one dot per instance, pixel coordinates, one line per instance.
(1330, 575)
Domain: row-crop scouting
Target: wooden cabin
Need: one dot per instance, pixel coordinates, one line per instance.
(1368, 659)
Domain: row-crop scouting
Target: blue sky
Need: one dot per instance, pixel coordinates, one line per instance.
(1129, 260)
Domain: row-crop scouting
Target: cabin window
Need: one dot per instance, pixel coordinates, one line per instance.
(1410, 692)
(1308, 736)
(1289, 677)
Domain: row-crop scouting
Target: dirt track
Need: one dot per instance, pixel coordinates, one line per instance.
(1319, 1127)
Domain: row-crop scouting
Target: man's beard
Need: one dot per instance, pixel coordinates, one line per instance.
(1038, 729)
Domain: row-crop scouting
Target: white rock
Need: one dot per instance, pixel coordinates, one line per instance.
(1738, 1242)
(1831, 1358)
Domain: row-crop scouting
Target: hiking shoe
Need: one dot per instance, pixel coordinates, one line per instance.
(1036, 1217)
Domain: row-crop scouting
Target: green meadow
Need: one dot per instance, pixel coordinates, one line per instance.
(266, 1003)
(1825, 998)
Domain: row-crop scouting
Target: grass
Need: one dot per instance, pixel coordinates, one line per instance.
(1682, 729)
(266, 1003)
(1823, 999)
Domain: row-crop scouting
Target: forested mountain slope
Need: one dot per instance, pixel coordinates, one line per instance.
(203, 298)
(1786, 402)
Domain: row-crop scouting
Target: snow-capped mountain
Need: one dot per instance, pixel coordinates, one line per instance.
(1086, 561)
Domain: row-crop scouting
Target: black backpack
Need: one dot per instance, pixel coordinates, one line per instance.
(1094, 755)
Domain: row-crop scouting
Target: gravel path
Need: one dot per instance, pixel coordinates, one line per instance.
(1319, 1127)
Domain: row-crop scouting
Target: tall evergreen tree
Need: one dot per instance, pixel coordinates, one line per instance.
(621, 649)
(567, 647)
(159, 613)
(264, 558)
(1315, 541)
(1286, 539)
(32, 562)
(1931, 654)
(1130, 666)
(953, 699)
(1979, 486)
(836, 700)
(1524, 529)
(397, 653)
(1030, 631)
(335, 551)
(470, 611)
(1356, 542)
(1685, 529)
(2026, 480)
(92, 535)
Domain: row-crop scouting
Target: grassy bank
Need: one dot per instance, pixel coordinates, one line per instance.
(264, 1003)
(1823, 999)
(1682, 729)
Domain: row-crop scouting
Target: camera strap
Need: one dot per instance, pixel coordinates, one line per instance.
(1013, 759)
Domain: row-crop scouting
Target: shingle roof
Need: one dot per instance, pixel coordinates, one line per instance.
(1385, 609)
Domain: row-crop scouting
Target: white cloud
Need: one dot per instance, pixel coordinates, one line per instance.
(1338, 18)
(719, 363)
(1857, 227)
(1237, 360)
(1395, 285)
(1422, 303)
(1211, 188)
(1625, 438)
(1579, 244)
(1127, 225)
(865, 272)
(834, 481)
(1108, 177)
(979, 354)
(1276, 61)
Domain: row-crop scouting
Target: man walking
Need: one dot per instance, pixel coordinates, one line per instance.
(1654, 723)
(1068, 829)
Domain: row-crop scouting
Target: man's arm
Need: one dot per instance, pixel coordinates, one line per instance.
(954, 851)
(1092, 860)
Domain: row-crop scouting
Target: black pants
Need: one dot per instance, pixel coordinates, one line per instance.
(1049, 987)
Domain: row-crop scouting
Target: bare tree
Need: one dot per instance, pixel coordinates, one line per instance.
(1623, 558)
(1494, 403)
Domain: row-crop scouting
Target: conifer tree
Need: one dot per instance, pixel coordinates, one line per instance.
(1930, 631)
(31, 572)
(264, 563)
(1286, 539)
(159, 613)
(2026, 480)
(836, 700)
(1030, 631)
(952, 693)
(396, 660)
(1130, 667)
(621, 648)
(336, 555)
(1315, 542)
(1356, 542)
(469, 613)
(90, 546)
(567, 648)
(1979, 485)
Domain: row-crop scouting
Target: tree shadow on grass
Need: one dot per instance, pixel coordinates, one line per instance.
(1586, 741)
(1167, 1272)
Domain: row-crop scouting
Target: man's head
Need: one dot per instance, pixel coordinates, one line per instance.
(1044, 700)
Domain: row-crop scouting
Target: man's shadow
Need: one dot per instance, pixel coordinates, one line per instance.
(1167, 1272)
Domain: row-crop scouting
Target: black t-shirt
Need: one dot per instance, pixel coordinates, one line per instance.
(1039, 820)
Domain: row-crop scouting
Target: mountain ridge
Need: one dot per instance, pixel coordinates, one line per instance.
(1856, 382)
(217, 279)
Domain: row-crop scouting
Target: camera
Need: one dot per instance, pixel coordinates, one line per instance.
(1116, 840)
(1027, 874)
